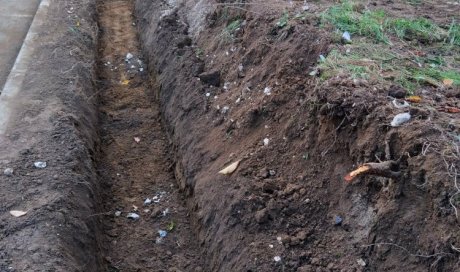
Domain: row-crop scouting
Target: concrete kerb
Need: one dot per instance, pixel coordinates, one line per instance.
(17, 75)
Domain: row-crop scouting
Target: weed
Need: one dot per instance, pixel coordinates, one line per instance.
(284, 20)
(228, 32)
(454, 34)
(420, 29)
(345, 18)
(376, 25)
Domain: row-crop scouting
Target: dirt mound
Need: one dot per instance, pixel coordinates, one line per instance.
(53, 123)
(287, 206)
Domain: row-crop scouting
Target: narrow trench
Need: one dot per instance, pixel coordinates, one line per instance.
(134, 162)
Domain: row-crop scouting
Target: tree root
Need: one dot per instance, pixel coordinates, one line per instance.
(381, 169)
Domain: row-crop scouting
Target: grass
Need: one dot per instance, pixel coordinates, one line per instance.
(379, 64)
(228, 32)
(429, 61)
(377, 25)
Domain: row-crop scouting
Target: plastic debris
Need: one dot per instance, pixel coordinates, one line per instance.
(400, 105)
(338, 220)
(272, 172)
(8, 172)
(266, 141)
(166, 212)
(448, 82)
(414, 99)
(171, 226)
(400, 119)
(40, 164)
(147, 201)
(361, 262)
(125, 82)
(270, 246)
(18, 213)
(117, 213)
(346, 37)
(129, 56)
(229, 169)
(322, 58)
(133, 216)
(225, 109)
(137, 139)
(268, 91)
(162, 233)
(277, 258)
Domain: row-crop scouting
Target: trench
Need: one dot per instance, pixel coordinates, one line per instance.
(134, 162)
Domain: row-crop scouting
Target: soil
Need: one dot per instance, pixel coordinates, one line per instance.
(165, 97)
(135, 162)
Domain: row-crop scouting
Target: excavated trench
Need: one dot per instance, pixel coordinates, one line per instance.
(147, 227)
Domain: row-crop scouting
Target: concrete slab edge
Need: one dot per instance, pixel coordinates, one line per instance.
(17, 75)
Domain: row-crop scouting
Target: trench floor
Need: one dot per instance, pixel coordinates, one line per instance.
(135, 163)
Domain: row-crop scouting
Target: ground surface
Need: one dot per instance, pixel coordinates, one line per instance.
(15, 19)
(135, 160)
(137, 100)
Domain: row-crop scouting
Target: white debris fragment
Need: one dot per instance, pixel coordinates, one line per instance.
(141, 69)
(40, 164)
(225, 109)
(147, 201)
(266, 141)
(400, 119)
(133, 216)
(361, 262)
(166, 212)
(277, 258)
(208, 94)
(18, 213)
(238, 100)
(400, 105)
(270, 246)
(268, 91)
(129, 56)
(8, 172)
(117, 213)
(346, 37)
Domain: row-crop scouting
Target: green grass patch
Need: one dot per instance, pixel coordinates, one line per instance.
(379, 64)
(375, 24)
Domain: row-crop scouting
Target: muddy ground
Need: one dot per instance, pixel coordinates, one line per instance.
(162, 95)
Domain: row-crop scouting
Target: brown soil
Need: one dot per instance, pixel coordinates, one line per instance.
(135, 161)
(284, 198)
(278, 211)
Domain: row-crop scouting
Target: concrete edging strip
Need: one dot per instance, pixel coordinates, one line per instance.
(17, 75)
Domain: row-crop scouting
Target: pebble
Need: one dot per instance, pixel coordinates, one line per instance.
(8, 172)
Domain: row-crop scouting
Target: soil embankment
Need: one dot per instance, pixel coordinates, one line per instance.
(235, 85)
(53, 121)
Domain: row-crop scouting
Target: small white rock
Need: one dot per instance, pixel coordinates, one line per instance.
(129, 56)
(117, 213)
